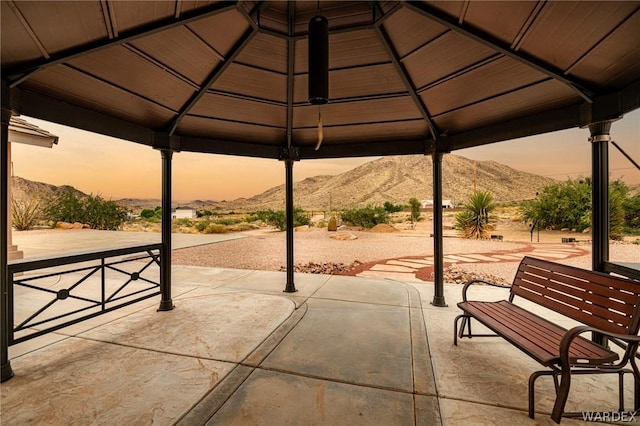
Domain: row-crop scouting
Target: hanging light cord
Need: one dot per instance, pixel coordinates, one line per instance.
(320, 131)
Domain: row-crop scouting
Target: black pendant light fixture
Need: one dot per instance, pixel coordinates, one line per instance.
(319, 66)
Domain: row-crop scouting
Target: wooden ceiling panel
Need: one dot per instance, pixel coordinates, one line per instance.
(409, 31)
(497, 77)
(501, 19)
(564, 31)
(265, 51)
(17, 46)
(251, 81)
(131, 14)
(530, 100)
(124, 68)
(181, 51)
(614, 61)
(364, 133)
(77, 88)
(63, 25)
(241, 110)
(370, 111)
(221, 31)
(349, 49)
(227, 130)
(446, 55)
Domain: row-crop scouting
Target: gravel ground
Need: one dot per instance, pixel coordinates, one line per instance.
(266, 250)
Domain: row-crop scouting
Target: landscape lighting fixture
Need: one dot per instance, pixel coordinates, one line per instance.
(319, 67)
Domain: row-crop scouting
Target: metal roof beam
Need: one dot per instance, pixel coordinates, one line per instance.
(404, 75)
(16, 76)
(496, 44)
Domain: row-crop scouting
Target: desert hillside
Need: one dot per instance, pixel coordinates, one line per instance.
(395, 179)
(399, 178)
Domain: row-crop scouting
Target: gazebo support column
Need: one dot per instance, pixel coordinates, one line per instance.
(6, 372)
(166, 304)
(289, 155)
(438, 252)
(599, 139)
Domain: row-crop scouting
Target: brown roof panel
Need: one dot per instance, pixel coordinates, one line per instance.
(131, 14)
(77, 88)
(502, 19)
(409, 31)
(229, 130)
(445, 55)
(363, 133)
(60, 25)
(497, 77)
(614, 61)
(564, 31)
(348, 49)
(453, 8)
(530, 100)
(245, 80)
(139, 76)
(370, 111)
(17, 45)
(355, 82)
(265, 51)
(221, 31)
(240, 110)
(181, 51)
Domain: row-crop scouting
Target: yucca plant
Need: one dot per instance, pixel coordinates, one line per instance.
(474, 220)
(25, 213)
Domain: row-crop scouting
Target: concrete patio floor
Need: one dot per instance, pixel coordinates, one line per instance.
(237, 350)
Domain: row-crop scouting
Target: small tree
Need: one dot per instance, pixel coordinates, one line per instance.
(415, 209)
(474, 220)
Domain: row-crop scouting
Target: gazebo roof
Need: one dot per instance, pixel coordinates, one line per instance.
(405, 77)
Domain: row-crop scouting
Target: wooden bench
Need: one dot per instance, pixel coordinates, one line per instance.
(604, 304)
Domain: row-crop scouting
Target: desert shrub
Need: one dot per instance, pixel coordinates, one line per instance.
(367, 217)
(25, 212)
(475, 220)
(215, 228)
(147, 213)
(278, 218)
(632, 214)
(95, 211)
(414, 204)
(184, 222)
(392, 208)
(568, 205)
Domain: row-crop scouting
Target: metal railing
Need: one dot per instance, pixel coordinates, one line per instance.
(76, 287)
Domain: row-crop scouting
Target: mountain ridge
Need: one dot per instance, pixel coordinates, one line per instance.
(395, 179)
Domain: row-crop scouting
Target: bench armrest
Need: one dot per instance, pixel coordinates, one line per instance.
(573, 333)
(470, 283)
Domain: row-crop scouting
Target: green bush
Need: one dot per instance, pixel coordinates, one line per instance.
(278, 218)
(95, 211)
(414, 204)
(392, 208)
(367, 217)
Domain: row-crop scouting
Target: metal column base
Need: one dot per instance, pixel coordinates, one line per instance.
(439, 302)
(166, 305)
(7, 372)
(290, 288)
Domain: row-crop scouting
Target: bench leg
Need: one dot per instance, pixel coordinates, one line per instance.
(532, 388)
(562, 393)
(636, 383)
(466, 321)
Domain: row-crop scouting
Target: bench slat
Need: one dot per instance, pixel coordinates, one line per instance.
(603, 279)
(534, 335)
(571, 311)
(598, 295)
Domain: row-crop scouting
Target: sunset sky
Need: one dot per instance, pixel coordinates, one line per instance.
(119, 169)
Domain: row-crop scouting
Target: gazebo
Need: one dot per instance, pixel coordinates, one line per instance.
(222, 77)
